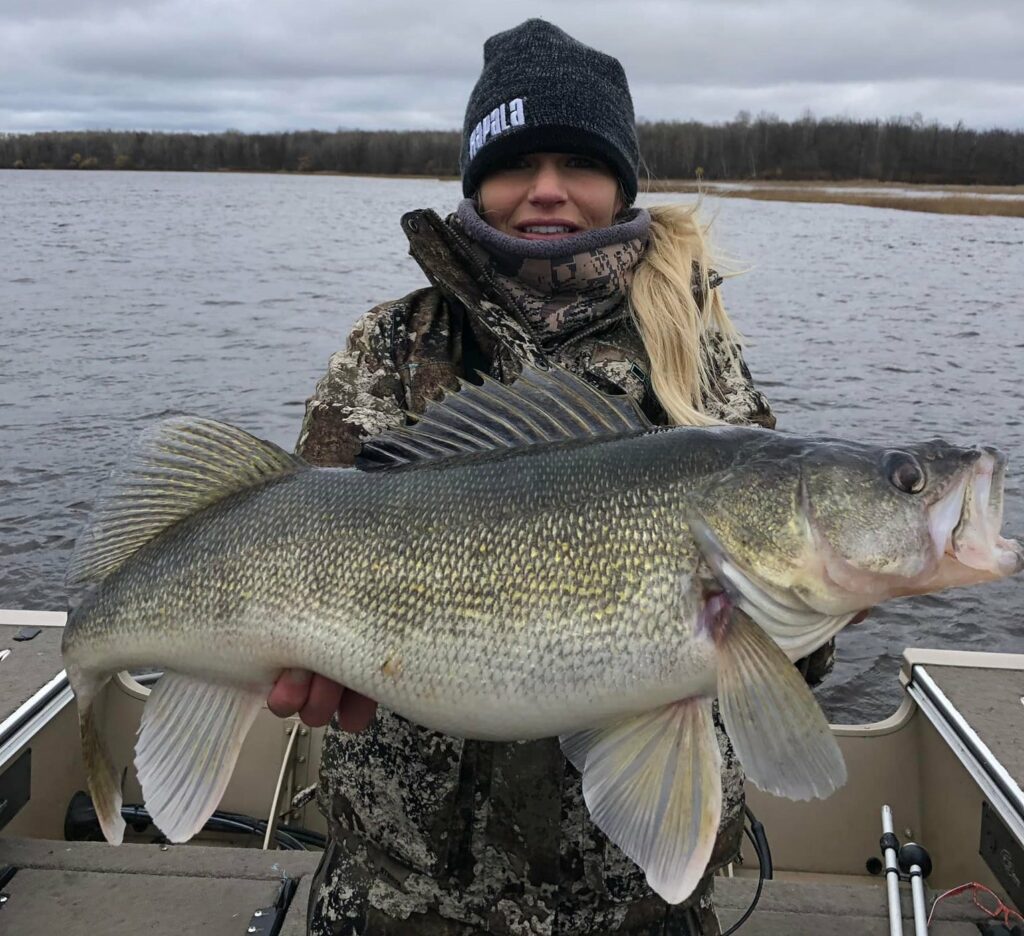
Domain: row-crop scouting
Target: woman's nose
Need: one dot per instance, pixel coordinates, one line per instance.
(548, 186)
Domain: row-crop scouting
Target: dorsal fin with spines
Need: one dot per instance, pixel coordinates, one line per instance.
(541, 407)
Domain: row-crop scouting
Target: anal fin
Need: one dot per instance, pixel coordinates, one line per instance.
(779, 732)
(191, 733)
(652, 784)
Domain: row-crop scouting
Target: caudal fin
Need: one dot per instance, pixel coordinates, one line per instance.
(189, 740)
(104, 783)
(652, 784)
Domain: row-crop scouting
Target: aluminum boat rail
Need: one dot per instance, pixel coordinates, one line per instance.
(1001, 790)
(34, 713)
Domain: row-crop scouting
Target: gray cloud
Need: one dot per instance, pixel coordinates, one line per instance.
(264, 65)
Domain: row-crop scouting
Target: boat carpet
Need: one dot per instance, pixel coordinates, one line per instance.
(88, 888)
(816, 907)
(85, 888)
(30, 666)
(990, 702)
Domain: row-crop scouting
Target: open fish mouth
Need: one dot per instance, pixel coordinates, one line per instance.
(967, 547)
(965, 525)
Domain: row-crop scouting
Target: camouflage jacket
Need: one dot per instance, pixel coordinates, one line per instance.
(432, 834)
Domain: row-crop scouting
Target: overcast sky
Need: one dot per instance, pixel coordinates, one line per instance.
(296, 64)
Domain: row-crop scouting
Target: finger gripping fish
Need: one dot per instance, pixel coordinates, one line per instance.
(523, 562)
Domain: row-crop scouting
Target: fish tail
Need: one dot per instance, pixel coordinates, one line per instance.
(104, 785)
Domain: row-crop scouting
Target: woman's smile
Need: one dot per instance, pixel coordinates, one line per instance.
(548, 196)
(546, 228)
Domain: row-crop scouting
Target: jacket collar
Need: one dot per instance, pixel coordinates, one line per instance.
(444, 255)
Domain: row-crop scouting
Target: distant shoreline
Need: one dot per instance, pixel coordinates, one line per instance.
(950, 199)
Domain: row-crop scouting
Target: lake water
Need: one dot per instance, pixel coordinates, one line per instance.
(125, 297)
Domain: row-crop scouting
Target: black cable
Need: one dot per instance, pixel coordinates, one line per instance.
(221, 822)
(761, 846)
(296, 832)
(82, 818)
(305, 835)
(764, 860)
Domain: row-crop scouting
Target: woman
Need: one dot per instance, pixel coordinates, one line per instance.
(544, 259)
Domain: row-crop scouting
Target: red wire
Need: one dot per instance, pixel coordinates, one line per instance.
(1001, 909)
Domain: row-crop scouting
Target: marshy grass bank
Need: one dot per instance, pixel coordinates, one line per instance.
(998, 200)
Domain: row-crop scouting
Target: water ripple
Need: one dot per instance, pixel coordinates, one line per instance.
(129, 305)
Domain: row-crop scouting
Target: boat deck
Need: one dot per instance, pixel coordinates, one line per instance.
(991, 700)
(30, 666)
(85, 888)
(816, 906)
(90, 887)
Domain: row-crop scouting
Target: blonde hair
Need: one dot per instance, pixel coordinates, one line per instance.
(673, 322)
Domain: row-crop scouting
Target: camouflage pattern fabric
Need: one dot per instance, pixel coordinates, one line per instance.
(436, 835)
(559, 297)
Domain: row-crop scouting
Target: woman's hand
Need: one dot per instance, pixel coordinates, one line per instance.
(316, 698)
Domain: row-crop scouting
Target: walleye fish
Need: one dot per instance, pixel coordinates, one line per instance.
(524, 561)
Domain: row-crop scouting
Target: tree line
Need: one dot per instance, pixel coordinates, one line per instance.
(765, 147)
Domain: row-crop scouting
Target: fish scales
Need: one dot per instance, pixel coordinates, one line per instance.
(420, 588)
(525, 561)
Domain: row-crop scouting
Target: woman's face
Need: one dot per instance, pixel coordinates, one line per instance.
(545, 196)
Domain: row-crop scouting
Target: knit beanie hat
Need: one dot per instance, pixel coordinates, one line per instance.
(542, 91)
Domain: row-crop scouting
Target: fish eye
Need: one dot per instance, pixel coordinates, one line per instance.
(904, 472)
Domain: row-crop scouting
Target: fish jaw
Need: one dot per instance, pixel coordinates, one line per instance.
(963, 546)
(959, 543)
(966, 531)
(976, 541)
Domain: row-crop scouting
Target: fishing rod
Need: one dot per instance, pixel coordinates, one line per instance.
(904, 862)
(890, 846)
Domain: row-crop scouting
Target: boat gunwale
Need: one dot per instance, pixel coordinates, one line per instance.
(1001, 790)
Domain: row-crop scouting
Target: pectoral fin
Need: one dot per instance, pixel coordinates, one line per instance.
(652, 784)
(189, 740)
(779, 732)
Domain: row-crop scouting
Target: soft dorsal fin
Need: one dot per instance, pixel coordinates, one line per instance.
(175, 468)
(542, 406)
